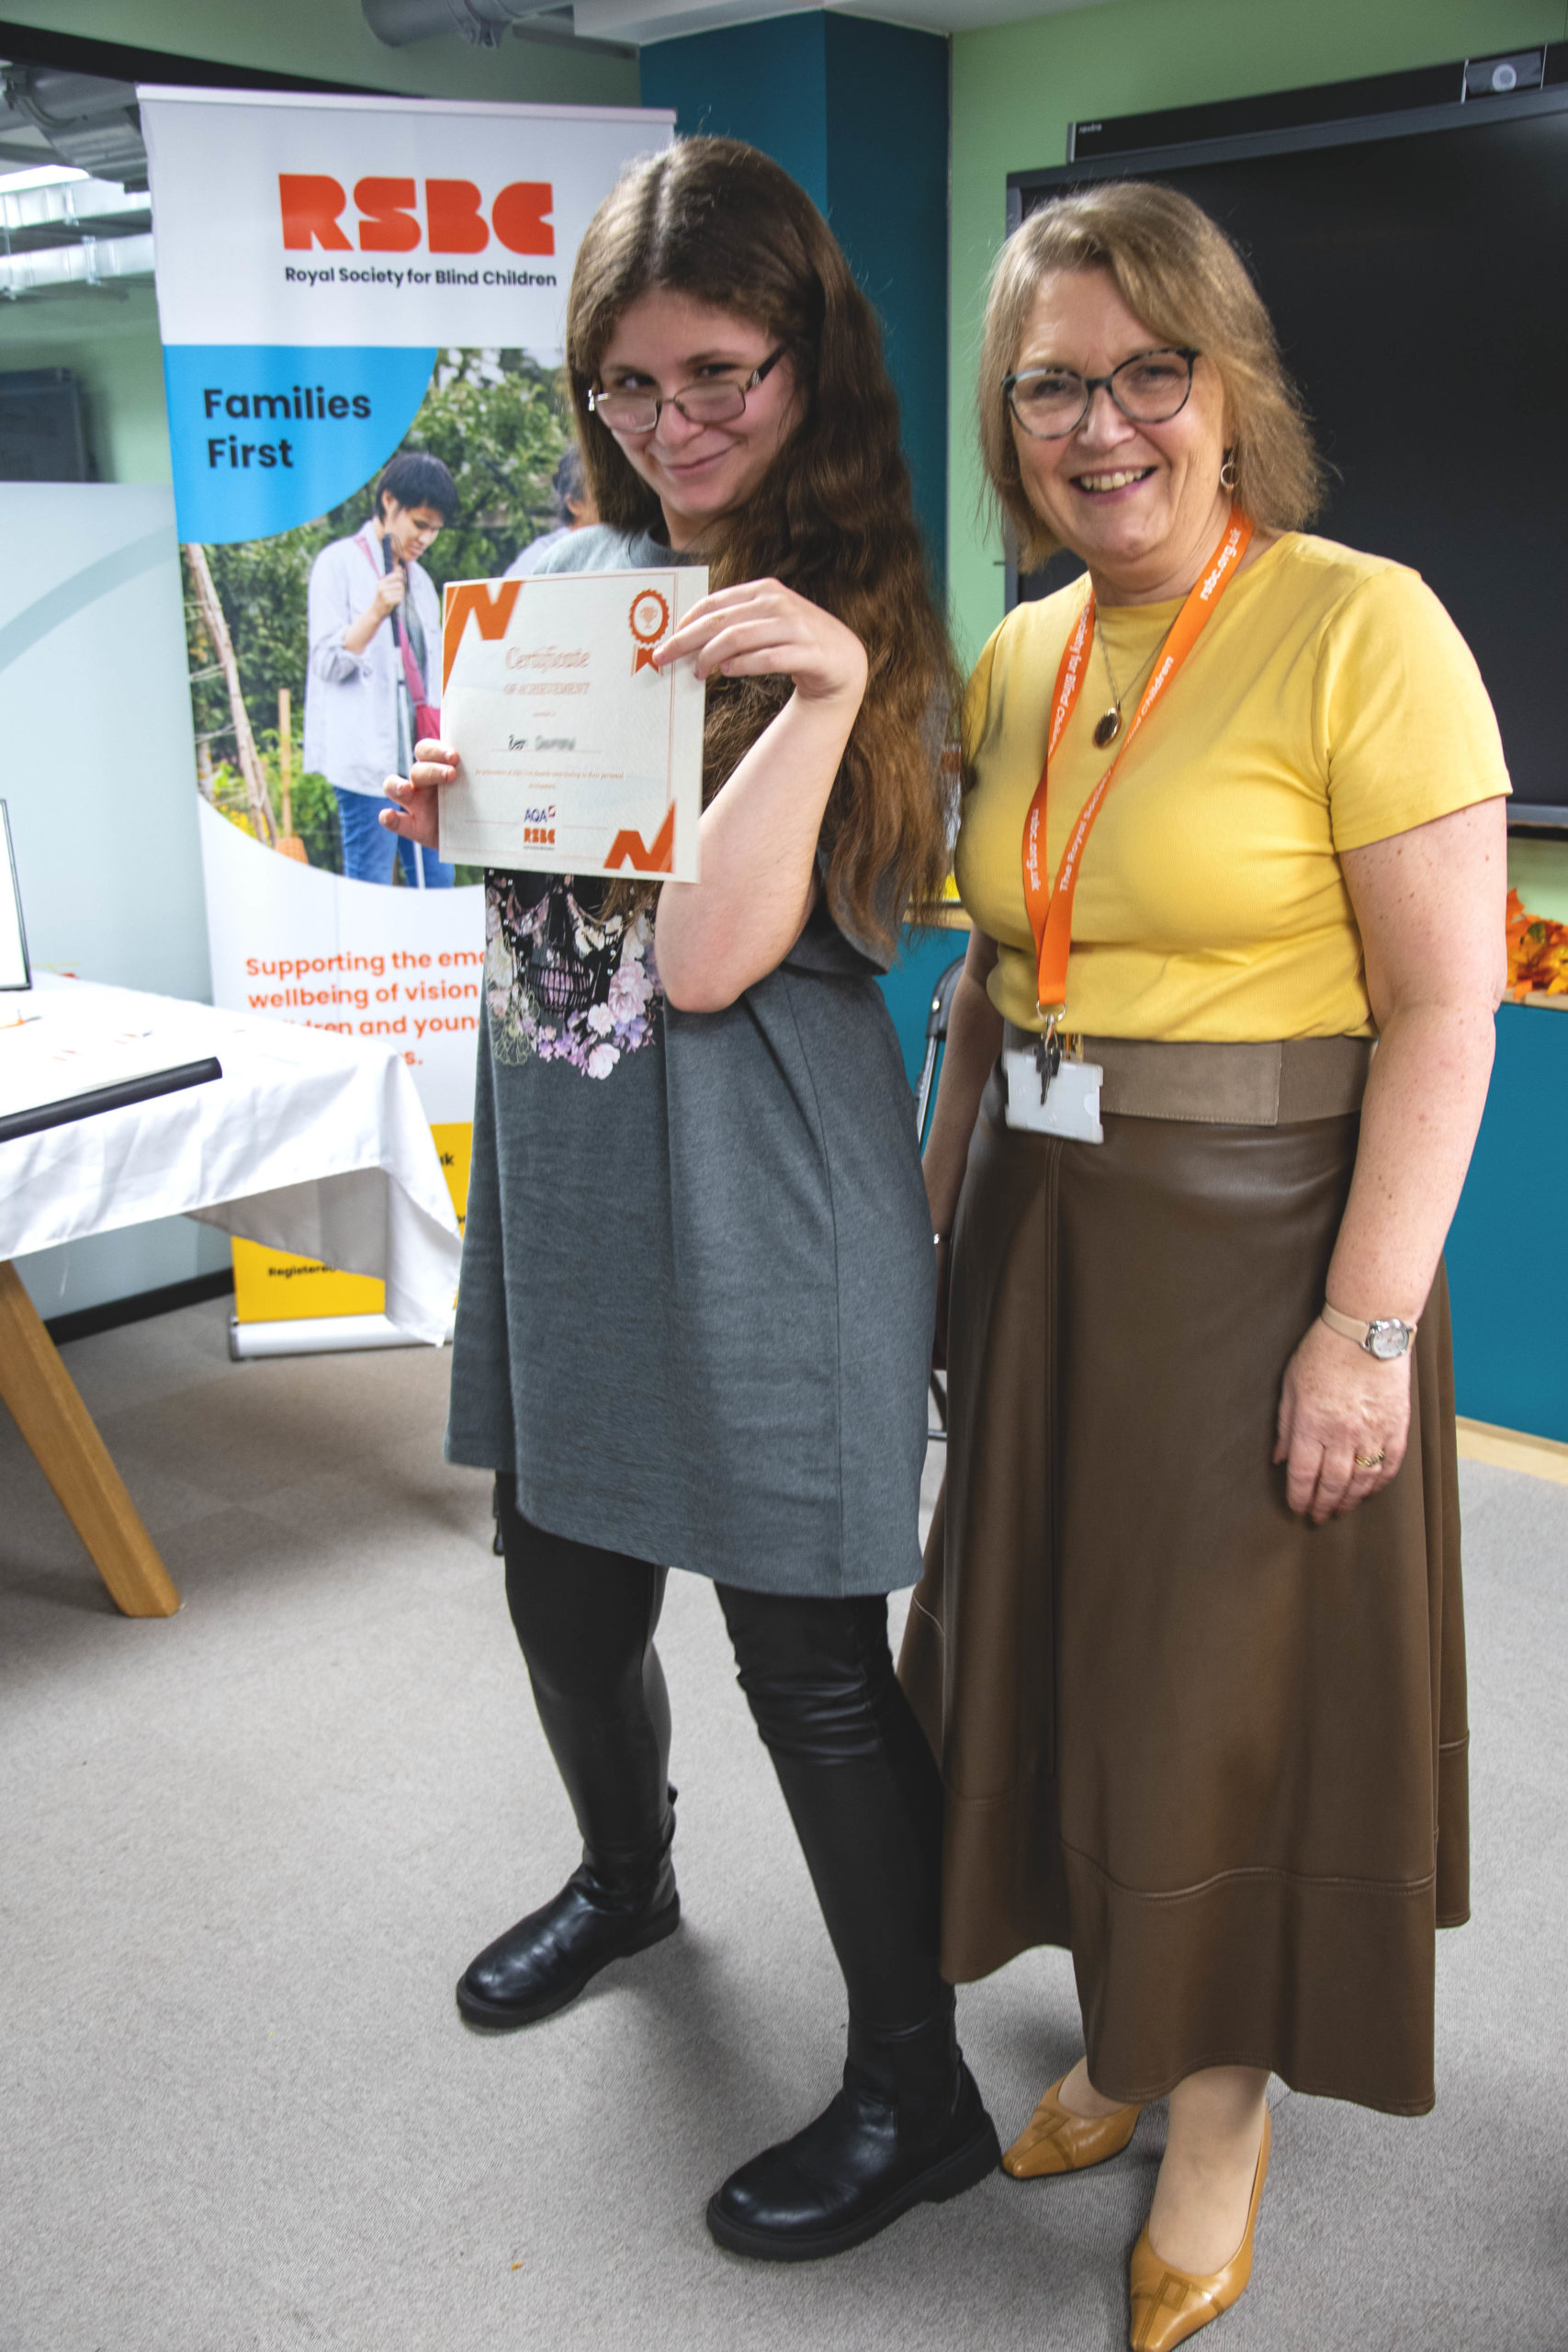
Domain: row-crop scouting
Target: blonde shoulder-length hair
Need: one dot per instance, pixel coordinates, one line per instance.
(1177, 271)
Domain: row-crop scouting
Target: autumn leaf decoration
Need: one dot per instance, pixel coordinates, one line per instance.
(1538, 953)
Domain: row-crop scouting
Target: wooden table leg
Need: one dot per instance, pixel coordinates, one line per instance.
(74, 1458)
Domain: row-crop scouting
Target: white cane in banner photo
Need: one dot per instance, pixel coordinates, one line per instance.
(363, 303)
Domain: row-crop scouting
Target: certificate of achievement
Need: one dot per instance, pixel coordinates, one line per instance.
(575, 754)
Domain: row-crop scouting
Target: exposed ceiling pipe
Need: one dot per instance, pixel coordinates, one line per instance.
(480, 22)
(66, 206)
(88, 121)
(97, 261)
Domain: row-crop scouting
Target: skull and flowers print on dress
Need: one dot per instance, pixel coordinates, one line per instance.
(563, 980)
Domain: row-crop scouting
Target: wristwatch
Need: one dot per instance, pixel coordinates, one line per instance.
(1386, 1337)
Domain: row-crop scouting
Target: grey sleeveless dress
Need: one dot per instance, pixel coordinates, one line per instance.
(697, 1285)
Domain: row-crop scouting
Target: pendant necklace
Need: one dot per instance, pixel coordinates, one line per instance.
(1109, 725)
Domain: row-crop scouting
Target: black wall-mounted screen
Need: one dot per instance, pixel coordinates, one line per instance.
(1419, 281)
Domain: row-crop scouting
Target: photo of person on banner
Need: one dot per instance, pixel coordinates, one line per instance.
(574, 511)
(375, 633)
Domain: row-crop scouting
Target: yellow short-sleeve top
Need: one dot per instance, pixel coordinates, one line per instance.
(1330, 702)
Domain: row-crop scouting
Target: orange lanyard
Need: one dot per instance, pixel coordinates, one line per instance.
(1051, 911)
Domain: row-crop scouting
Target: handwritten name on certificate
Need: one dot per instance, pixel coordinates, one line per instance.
(575, 754)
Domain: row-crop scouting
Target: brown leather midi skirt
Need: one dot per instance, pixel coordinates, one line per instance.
(1216, 1753)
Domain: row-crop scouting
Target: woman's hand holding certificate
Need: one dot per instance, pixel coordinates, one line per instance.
(759, 834)
(418, 817)
(765, 629)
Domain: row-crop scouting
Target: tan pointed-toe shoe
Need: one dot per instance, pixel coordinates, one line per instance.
(1169, 2305)
(1057, 2141)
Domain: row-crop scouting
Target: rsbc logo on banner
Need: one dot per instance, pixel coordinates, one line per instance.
(313, 203)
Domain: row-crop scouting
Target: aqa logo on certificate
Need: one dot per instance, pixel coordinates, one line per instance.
(576, 754)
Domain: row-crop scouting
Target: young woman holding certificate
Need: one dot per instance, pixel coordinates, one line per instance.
(697, 1280)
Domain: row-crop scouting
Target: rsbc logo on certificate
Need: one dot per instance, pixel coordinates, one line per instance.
(576, 754)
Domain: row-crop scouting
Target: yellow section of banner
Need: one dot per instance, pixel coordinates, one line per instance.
(456, 1145)
(272, 1288)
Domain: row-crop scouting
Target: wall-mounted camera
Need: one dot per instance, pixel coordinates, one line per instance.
(1496, 77)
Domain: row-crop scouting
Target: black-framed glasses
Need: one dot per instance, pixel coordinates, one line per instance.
(1149, 389)
(720, 402)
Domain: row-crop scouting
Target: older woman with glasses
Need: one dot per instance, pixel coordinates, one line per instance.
(1191, 1640)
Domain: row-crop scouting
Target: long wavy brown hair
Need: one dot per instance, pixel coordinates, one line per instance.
(718, 222)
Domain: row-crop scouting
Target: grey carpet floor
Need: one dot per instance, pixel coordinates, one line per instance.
(247, 1851)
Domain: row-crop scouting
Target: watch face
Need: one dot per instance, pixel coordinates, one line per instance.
(1388, 1339)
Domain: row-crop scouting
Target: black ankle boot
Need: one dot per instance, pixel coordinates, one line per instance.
(608, 1909)
(907, 2129)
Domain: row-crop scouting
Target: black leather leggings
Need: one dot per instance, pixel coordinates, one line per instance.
(584, 1620)
(861, 1785)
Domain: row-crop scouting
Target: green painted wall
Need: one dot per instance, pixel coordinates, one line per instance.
(1016, 87)
(110, 336)
(1538, 870)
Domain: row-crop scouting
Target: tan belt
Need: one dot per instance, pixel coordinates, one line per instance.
(1246, 1086)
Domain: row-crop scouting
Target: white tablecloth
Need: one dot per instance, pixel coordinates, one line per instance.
(310, 1142)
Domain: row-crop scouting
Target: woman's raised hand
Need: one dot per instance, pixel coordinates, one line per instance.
(414, 818)
(1339, 1403)
(765, 629)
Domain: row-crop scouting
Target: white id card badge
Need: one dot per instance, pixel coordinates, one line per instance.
(1070, 1105)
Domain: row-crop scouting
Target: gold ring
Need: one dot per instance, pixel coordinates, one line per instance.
(1368, 1461)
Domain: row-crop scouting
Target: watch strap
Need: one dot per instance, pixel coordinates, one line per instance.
(1349, 1328)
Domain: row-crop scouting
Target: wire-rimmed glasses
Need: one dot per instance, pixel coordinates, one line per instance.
(718, 402)
(1149, 389)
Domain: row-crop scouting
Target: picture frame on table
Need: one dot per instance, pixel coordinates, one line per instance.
(15, 971)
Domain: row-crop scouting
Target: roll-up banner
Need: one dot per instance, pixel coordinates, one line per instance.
(346, 286)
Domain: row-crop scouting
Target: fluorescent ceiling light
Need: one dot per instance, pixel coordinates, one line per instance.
(42, 175)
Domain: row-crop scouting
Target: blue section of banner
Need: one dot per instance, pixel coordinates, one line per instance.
(268, 435)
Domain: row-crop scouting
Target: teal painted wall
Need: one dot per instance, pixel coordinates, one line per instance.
(765, 83)
(1507, 1261)
(1016, 88)
(923, 957)
(888, 135)
(857, 112)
